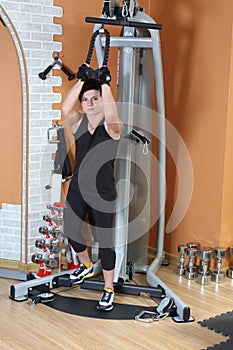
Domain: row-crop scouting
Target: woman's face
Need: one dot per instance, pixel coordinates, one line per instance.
(91, 102)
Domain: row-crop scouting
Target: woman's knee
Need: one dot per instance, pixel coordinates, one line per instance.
(108, 258)
(78, 247)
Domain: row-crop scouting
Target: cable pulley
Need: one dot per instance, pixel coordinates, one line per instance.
(43, 298)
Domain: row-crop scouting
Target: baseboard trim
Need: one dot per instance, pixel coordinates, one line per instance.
(17, 265)
(168, 256)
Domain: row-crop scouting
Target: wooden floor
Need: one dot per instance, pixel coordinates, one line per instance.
(23, 326)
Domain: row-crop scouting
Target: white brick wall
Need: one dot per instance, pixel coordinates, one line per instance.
(33, 21)
(10, 237)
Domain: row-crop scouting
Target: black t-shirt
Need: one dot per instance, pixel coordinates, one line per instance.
(95, 159)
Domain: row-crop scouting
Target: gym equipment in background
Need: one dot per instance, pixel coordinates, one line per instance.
(201, 270)
(192, 252)
(230, 270)
(56, 61)
(180, 270)
(54, 245)
(204, 273)
(218, 275)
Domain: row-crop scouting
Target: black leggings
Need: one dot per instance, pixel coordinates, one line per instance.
(101, 223)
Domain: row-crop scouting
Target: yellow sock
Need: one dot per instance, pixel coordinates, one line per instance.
(88, 265)
(109, 290)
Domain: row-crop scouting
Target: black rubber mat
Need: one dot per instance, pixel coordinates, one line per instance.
(221, 324)
(228, 345)
(87, 308)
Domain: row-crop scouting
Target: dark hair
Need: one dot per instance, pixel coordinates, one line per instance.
(90, 84)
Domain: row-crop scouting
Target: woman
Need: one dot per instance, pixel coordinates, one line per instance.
(91, 192)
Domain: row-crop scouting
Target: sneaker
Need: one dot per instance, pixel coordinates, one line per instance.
(82, 272)
(106, 302)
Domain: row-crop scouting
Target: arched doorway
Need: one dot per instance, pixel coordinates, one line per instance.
(12, 140)
(11, 120)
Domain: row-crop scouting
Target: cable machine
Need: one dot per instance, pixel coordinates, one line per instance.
(139, 60)
(140, 79)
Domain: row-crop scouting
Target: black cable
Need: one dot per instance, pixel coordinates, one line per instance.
(107, 47)
(67, 289)
(148, 294)
(91, 47)
(92, 44)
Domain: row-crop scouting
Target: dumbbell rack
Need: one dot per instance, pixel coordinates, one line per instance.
(53, 245)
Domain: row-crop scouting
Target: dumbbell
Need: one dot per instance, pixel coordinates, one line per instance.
(41, 244)
(180, 270)
(38, 258)
(230, 270)
(219, 275)
(204, 274)
(193, 245)
(192, 252)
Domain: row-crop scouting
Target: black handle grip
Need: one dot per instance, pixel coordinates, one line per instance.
(124, 23)
(70, 75)
(43, 74)
(140, 136)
